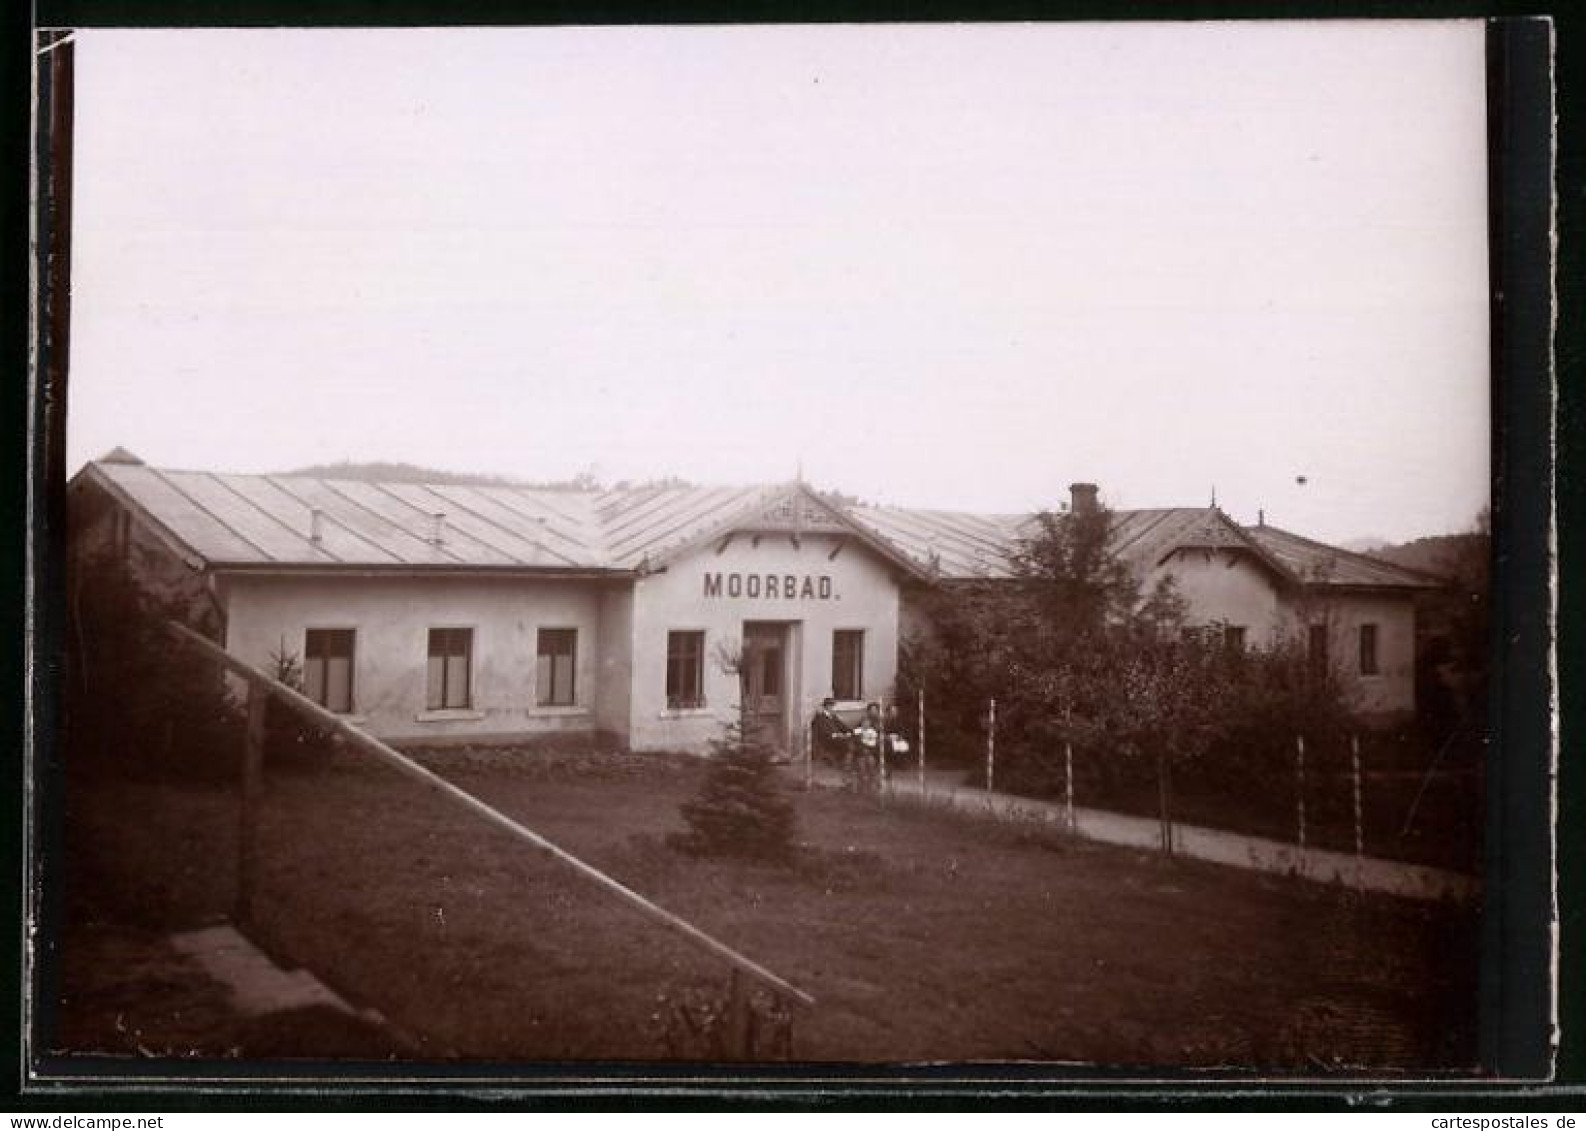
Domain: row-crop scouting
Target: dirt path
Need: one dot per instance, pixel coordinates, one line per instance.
(1216, 846)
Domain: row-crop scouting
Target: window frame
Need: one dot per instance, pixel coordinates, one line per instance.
(1369, 642)
(857, 664)
(445, 704)
(547, 696)
(695, 670)
(323, 697)
(1320, 659)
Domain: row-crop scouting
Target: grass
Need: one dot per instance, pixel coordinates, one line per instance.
(924, 936)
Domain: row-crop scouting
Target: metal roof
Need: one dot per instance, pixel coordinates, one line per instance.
(265, 521)
(962, 547)
(1320, 564)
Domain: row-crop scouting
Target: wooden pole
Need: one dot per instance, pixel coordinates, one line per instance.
(1165, 830)
(809, 754)
(1068, 784)
(412, 770)
(248, 804)
(991, 747)
(1299, 783)
(882, 770)
(1360, 828)
(920, 757)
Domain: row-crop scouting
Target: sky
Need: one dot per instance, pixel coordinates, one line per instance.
(955, 266)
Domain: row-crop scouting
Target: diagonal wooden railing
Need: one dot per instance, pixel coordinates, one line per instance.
(262, 686)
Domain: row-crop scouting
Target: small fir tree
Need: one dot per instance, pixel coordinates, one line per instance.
(740, 809)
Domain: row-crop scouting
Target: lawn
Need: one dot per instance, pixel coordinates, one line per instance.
(923, 935)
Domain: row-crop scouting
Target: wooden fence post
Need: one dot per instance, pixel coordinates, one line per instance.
(1299, 786)
(809, 752)
(991, 747)
(883, 771)
(920, 757)
(1068, 784)
(1360, 830)
(1164, 801)
(248, 803)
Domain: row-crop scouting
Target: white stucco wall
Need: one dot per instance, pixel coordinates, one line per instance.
(1392, 689)
(1225, 586)
(393, 616)
(1222, 586)
(862, 593)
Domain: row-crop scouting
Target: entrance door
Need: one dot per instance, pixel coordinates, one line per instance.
(765, 681)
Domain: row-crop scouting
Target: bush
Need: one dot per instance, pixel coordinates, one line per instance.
(740, 810)
(120, 712)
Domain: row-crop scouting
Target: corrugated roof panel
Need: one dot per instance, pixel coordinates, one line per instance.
(540, 539)
(189, 521)
(276, 539)
(473, 517)
(465, 535)
(922, 535)
(336, 539)
(391, 524)
(1332, 565)
(571, 517)
(685, 515)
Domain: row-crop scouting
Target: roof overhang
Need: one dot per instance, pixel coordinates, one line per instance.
(405, 569)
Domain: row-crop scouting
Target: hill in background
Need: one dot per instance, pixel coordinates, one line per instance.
(386, 471)
(1447, 555)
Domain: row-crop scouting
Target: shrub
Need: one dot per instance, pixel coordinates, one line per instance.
(121, 713)
(740, 809)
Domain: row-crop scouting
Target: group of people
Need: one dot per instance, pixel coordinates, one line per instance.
(862, 751)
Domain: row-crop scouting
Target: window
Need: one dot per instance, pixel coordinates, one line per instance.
(1234, 637)
(327, 668)
(1317, 647)
(451, 658)
(685, 670)
(1368, 649)
(558, 660)
(848, 663)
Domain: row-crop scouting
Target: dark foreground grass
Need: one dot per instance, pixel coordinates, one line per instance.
(924, 936)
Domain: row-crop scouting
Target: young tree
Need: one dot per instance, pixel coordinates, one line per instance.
(1078, 585)
(741, 809)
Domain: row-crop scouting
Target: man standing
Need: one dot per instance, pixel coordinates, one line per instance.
(831, 735)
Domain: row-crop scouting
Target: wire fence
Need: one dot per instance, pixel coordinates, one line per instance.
(1398, 793)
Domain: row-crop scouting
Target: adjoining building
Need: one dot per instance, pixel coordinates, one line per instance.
(447, 612)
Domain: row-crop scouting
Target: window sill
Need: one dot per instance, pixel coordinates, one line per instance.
(450, 714)
(548, 711)
(686, 713)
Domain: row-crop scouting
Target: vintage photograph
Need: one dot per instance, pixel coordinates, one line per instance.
(832, 544)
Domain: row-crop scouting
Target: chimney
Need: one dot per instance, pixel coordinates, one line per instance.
(437, 528)
(1082, 497)
(316, 525)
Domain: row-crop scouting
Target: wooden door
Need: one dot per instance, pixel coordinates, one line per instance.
(765, 681)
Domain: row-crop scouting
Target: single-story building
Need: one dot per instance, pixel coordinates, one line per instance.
(449, 612)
